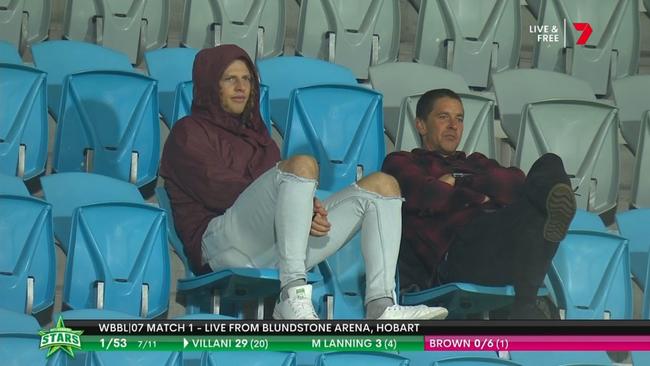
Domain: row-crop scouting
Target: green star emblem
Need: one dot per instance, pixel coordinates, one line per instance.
(60, 338)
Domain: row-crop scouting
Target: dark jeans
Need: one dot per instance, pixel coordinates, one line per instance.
(507, 246)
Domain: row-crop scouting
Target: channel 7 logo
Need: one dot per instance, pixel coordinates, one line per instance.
(555, 34)
(586, 30)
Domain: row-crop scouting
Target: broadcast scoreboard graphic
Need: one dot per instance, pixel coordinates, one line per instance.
(330, 336)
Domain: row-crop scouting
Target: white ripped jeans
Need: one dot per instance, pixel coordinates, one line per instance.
(268, 226)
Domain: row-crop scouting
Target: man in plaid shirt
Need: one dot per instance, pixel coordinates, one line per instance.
(469, 219)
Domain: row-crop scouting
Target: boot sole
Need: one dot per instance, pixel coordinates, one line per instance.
(560, 209)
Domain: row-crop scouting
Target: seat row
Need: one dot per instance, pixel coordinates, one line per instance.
(471, 37)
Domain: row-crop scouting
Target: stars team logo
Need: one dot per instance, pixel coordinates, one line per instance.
(60, 338)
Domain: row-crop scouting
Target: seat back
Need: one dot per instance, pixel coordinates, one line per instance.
(632, 96)
(361, 358)
(641, 178)
(257, 26)
(23, 121)
(611, 51)
(590, 275)
(114, 114)
(118, 260)
(9, 53)
(177, 244)
(185, 94)
(68, 191)
(561, 358)
(11, 22)
(478, 125)
(633, 225)
(588, 221)
(28, 263)
(585, 135)
(23, 349)
(12, 185)
(170, 66)
(134, 358)
(516, 88)
(305, 71)
(40, 13)
(62, 58)
(248, 358)
(419, 358)
(126, 26)
(396, 80)
(470, 37)
(355, 34)
(339, 125)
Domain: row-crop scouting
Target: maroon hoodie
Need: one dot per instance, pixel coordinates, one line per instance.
(211, 156)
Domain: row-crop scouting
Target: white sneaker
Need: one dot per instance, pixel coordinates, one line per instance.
(418, 312)
(297, 305)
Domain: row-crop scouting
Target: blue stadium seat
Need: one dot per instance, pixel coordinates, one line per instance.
(355, 34)
(585, 135)
(516, 88)
(9, 54)
(561, 358)
(478, 133)
(134, 358)
(68, 191)
(422, 358)
(341, 126)
(109, 125)
(118, 260)
(610, 53)
(12, 185)
(170, 66)
(641, 357)
(131, 26)
(20, 349)
(28, 263)
(471, 38)
(249, 358)
(222, 292)
(633, 225)
(397, 80)
(62, 58)
(23, 121)
(185, 93)
(632, 95)
(590, 275)
(361, 358)
(256, 26)
(587, 221)
(305, 71)
(14, 322)
(475, 361)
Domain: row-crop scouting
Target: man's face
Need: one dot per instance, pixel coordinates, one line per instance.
(235, 87)
(443, 128)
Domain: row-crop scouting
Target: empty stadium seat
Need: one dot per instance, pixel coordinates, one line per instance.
(641, 357)
(587, 221)
(135, 358)
(397, 80)
(39, 13)
(585, 135)
(516, 88)
(68, 191)
(361, 358)
(9, 54)
(170, 66)
(255, 358)
(590, 275)
(633, 225)
(257, 26)
(118, 260)
(109, 125)
(13, 24)
(355, 34)
(23, 121)
(15, 322)
(610, 53)
(131, 27)
(62, 58)
(185, 93)
(19, 349)
(341, 126)
(641, 177)
(561, 358)
(478, 124)
(304, 71)
(28, 263)
(473, 38)
(12, 185)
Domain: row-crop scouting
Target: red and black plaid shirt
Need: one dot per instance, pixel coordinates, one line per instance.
(434, 210)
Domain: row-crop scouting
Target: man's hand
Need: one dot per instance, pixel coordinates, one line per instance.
(320, 226)
(448, 178)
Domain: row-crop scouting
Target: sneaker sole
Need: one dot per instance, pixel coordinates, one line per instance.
(560, 209)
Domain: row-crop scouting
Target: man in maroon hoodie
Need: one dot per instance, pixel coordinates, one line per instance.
(236, 204)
